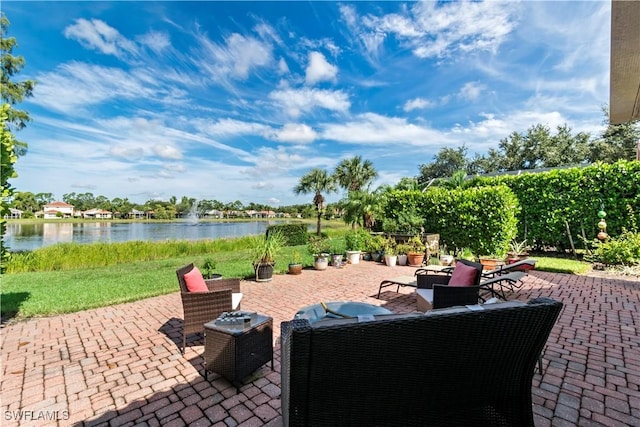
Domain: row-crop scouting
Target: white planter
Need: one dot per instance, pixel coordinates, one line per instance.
(391, 260)
(320, 262)
(402, 259)
(446, 259)
(353, 257)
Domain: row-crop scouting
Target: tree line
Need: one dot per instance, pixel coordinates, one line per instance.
(538, 147)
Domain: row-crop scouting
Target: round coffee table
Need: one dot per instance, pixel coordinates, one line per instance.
(316, 312)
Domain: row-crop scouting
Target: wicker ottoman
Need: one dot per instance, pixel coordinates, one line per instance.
(236, 350)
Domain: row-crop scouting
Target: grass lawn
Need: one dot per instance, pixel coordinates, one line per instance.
(56, 292)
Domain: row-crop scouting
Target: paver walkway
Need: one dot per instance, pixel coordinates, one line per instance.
(121, 365)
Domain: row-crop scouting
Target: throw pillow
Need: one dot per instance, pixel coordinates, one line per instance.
(463, 275)
(195, 281)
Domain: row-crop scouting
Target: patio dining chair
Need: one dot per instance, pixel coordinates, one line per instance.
(204, 304)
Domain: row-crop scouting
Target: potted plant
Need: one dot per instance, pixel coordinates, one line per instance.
(208, 267)
(517, 251)
(318, 246)
(355, 241)
(265, 250)
(415, 256)
(337, 252)
(375, 246)
(446, 259)
(491, 261)
(295, 266)
(402, 249)
(390, 254)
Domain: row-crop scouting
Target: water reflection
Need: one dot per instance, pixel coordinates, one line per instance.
(32, 236)
(56, 233)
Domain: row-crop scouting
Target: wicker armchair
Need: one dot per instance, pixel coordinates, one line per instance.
(202, 307)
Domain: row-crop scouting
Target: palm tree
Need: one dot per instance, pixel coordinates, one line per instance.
(362, 207)
(316, 181)
(355, 175)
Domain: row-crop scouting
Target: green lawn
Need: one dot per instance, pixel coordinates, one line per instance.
(55, 292)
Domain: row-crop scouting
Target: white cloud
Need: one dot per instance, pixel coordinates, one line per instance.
(319, 69)
(97, 35)
(299, 101)
(295, 132)
(167, 152)
(371, 128)
(471, 91)
(76, 85)
(417, 104)
(236, 57)
(232, 127)
(155, 40)
(283, 68)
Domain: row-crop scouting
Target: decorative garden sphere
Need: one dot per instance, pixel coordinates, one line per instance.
(602, 224)
(602, 214)
(602, 236)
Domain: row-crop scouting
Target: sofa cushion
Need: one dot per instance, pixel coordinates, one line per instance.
(463, 275)
(195, 281)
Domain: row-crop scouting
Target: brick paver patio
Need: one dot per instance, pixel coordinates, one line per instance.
(121, 365)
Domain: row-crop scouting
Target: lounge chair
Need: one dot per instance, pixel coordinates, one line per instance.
(409, 281)
(522, 265)
(461, 287)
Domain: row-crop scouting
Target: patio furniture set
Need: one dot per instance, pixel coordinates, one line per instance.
(364, 365)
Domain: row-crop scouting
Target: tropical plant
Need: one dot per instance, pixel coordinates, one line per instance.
(363, 208)
(390, 246)
(317, 181)
(12, 120)
(518, 248)
(354, 174)
(416, 245)
(266, 248)
(208, 267)
(403, 248)
(356, 239)
(375, 243)
(318, 245)
(621, 250)
(296, 258)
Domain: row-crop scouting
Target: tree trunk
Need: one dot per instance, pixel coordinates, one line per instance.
(318, 233)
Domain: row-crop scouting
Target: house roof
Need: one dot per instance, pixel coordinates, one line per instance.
(58, 205)
(624, 98)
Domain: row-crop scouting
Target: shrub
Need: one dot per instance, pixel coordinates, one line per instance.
(624, 250)
(293, 234)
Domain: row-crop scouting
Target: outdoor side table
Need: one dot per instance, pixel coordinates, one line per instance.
(236, 350)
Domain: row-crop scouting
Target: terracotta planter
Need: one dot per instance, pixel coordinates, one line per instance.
(491, 263)
(415, 259)
(295, 269)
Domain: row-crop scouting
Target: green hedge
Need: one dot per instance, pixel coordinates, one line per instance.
(483, 219)
(294, 234)
(574, 195)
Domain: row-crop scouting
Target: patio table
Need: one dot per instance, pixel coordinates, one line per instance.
(316, 312)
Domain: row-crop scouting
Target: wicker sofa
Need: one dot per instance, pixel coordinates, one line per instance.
(454, 366)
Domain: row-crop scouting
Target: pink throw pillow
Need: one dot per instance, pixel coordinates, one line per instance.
(463, 275)
(195, 281)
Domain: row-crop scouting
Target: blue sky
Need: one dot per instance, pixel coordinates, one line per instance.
(237, 100)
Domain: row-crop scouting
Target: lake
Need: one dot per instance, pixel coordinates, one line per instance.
(21, 237)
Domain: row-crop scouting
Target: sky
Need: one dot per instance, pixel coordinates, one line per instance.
(238, 100)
